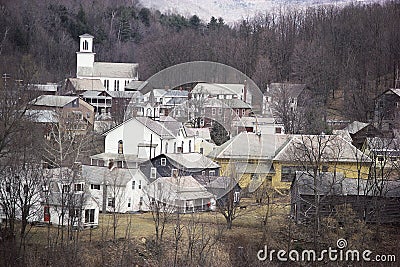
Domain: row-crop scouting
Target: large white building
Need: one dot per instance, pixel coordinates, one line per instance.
(114, 76)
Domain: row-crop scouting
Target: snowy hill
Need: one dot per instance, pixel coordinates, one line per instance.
(234, 10)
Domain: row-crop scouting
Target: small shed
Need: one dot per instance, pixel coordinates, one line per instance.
(373, 202)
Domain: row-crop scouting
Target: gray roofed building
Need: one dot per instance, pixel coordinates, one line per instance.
(113, 176)
(110, 69)
(249, 146)
(333, 148)
(184, 193)
(218, 89)
(53, 100)
(156, 127)
(85, 84)
(356, 126)
(135, 85)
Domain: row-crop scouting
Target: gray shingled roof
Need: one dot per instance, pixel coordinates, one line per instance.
(122, 94)
(53, 100)
(331, 148)
(356, 126)
(192, 160)
(156, 127)
(114, 176)
(87, 84)
(135, 85)
(218, 88)
(250, 146)
(115, 70)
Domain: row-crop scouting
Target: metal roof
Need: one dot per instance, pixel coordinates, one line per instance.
(250, 146)
(53, 100)
(87, 84)
(218, 88)
(330, 147)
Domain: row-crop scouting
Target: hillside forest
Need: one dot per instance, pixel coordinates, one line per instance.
(350, 53)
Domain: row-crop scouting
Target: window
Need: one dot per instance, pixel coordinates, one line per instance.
(203, 172)
(45, 188)
(111, 202)
(133, 184)
(107, 84)
(119, 164)
(237, 112)
(213, 111)
(211, 173)
(140, 184)
(153, 173)
(116, 85)
(174, 173)
(220, 111)
(129, 202)
(278, 130)
(190, 146)
(65, 188)
(325, 168)
(243, 112)
(163, 161)
(95, 186)
(120, 147)
(182, 146)
(89, 216)
(236, 197)
(289, 172)
(85, 45)
(166, 147)
(201, 150)
(75, 213)
(175, 147)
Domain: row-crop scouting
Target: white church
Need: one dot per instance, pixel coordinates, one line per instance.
(114, 76)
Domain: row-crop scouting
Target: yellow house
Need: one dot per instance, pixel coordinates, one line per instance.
(248, 157)
(319, 153)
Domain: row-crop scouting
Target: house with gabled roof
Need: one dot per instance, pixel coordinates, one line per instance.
(370, 201)
(359, 132)
(146, 138)
(180, 193)
(326, 153)
(387, 111)
(250, 155)
(72, 112)
(114, 76)
(222, 91)
(116, 189)
(183, 164)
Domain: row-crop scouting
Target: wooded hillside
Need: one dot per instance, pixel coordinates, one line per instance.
(353, 51)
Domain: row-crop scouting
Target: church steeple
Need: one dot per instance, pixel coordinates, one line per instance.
(85, 56)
